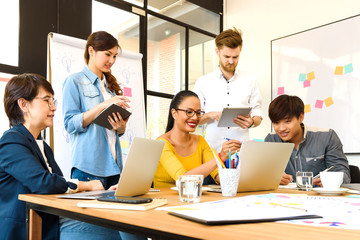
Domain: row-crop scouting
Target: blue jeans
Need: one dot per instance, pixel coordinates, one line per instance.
(83, 176)
(72, 229)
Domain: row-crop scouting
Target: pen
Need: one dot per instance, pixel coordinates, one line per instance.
(229, 158)
(282, 205)
(326, 170)
(227, 139)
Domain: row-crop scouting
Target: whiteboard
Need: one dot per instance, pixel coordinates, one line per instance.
(66, 56)
(322, 67)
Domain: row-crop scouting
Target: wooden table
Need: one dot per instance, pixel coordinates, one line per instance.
(160, 225)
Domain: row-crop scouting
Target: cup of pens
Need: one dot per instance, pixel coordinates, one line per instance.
(229, 175)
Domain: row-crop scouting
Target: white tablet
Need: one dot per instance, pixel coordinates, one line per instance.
(228, 115)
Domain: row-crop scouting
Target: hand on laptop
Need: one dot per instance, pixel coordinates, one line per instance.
(286, 179)
(113, 187)
(90, 186)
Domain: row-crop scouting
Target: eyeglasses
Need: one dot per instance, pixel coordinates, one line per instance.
(190, 112)
(52, 102)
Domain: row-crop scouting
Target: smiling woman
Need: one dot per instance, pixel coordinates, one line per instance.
(184, 153)
(27, 163)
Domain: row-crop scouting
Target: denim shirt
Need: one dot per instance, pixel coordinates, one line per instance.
(320, 149)
(90, 151)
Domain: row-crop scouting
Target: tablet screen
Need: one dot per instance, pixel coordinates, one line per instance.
(228, 115)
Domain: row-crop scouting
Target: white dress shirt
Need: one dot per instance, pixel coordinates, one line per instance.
(216, 93)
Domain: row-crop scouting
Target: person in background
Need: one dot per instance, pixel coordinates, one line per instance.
(95, 151)
(27, 163)
(315, 149)
(185, 153)
(228, 87)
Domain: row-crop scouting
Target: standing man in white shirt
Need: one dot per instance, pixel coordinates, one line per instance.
(227, 87)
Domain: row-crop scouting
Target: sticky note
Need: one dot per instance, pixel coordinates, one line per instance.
(319, 103)
(329, 101)
(339, 70)
(310, 76)
(281, 90)
(307, 108)
(348, 68)
(307, 84)
(302, 77)
(127, 92)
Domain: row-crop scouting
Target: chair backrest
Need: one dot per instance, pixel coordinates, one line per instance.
(354, 174)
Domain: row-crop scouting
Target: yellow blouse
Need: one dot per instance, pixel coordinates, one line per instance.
(171, 165)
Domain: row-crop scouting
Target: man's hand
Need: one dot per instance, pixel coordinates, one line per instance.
(286, 179)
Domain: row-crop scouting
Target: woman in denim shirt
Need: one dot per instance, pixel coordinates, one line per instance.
(95, 151)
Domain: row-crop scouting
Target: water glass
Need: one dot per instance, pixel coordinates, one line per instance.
(190, 188)
(304, 181)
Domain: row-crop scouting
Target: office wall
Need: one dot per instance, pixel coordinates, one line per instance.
(262, 21)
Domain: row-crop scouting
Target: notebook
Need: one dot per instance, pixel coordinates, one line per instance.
(262, 165)
(102, 118)
(137, 174)
(156, 202)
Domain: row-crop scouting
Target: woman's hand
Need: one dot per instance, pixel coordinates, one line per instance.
(117, 122)
(113, 187)
(119, 100)
(232, 145)
(90, 186)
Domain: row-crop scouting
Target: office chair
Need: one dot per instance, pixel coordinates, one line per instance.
(354, 174)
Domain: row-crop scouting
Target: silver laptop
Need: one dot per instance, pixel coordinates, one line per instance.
(262, 165)
(137, 174)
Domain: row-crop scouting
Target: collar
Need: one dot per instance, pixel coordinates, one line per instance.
(90, 75)
(24, 131)
(221, 75)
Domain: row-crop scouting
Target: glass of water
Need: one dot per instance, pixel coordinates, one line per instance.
(190, 188)
(304, 181)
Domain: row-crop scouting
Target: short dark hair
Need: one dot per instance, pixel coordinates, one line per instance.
(229, 38)
(25, 86)
(175, 102)
(285, 106)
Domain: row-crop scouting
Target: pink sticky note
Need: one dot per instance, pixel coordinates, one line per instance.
(319, 103)
(281, 90)
(307, 83)
(127, 92)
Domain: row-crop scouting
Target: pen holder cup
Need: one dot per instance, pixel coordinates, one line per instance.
(229, 181)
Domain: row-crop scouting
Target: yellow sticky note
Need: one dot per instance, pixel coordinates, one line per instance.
(124, 144)
(310, 76)
(329, 101)
(307, 108)
(339, 70)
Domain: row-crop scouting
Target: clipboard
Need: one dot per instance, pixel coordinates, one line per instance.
(228, 114)
(102, 118)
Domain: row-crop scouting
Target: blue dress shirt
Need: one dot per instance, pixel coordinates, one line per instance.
(90, 151)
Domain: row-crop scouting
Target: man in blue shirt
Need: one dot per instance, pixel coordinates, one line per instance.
(315, 149)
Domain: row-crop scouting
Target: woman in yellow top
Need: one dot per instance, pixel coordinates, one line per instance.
(185, 153)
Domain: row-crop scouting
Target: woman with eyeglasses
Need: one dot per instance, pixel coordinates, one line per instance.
(185, 153)
(27, 163)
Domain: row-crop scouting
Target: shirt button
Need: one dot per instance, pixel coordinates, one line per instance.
(228, 127)
(228, 93)
(228, 104)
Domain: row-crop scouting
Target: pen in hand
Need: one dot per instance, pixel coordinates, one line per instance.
(326, 170)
